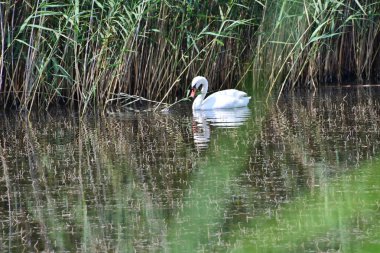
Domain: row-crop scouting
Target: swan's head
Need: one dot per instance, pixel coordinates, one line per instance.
(199, 83)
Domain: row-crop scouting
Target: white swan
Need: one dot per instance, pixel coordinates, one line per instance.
(224, 99)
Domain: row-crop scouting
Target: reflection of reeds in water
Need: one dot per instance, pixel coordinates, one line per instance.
(303, 178)
(102, 177)
(304, 141)
(131, 182)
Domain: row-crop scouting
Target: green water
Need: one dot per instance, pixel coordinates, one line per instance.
(298, 175)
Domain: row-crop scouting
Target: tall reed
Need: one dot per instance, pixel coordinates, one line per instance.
(309, 43)
(83, 52)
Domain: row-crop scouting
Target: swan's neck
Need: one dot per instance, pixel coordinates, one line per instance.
(204, 88)
(197, 104)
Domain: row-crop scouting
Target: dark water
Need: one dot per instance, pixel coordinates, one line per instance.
(300, 175)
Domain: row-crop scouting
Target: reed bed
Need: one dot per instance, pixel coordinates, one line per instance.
(84, 52)
(311, 43)
(137, 181)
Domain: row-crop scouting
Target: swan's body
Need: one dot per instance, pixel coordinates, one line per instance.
(224, 99)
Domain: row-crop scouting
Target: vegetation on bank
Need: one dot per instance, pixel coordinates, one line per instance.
(311, 43)
(84, 52)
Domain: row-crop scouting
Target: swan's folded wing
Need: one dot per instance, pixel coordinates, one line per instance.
(232, 93)
(224, 101)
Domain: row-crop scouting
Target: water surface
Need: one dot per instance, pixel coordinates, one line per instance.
(296, 175)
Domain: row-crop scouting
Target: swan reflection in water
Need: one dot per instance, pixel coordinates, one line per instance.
(220, 118)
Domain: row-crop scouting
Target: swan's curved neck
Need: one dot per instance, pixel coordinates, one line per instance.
(197, 104)
(204, 87)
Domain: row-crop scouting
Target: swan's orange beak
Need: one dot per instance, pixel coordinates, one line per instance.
(193, 91)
